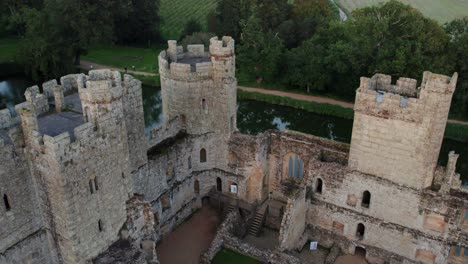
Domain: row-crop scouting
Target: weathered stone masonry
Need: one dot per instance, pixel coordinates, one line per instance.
(80, 181)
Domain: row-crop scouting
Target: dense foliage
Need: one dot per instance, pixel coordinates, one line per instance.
(306, 47)
(55, 33)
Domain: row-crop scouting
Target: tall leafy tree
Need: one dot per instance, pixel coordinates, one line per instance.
(231, 14)
(260, 52)
(458, 52)
(136, 21)
(272, 13)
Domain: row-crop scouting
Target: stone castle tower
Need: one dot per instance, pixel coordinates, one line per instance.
(83, 162)
(398, 129)
(200, 86)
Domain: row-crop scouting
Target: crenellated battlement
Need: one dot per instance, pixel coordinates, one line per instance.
(10, 117)
(196, 64)
(223, 47)
(377, 96)
(400, 125)
(100, 86)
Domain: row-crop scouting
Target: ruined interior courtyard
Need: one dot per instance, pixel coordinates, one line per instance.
(82, 182)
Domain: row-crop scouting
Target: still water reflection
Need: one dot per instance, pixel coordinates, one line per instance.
(12, 91)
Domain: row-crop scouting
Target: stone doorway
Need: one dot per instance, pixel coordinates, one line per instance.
(360, 251)
(206, 201)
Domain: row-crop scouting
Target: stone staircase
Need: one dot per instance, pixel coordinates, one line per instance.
(257, 223)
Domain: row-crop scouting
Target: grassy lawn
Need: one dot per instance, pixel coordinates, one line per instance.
(176, 13)
(440, 10)
(8, 47)
(144, 60)
(226, 256)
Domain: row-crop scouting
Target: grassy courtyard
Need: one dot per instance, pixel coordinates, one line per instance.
(176, 13)
(226, 256)
(440, 10)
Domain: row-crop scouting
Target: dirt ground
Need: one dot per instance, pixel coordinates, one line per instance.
(185, 244)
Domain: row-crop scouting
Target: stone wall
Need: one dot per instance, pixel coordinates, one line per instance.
(393, 131)
(226, 239)
(23, 237)
(294, 222)
(204, 92)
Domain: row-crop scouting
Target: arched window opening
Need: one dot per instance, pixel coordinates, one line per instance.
(100, 225)
(95, 184)
(196, 187)
(189, 162)
(361, 229)
(319, 186)
(296, 167)
(6, 202)
(202, 155)
(204, 105)
(219, 185)
(366, 199)
(91, 186)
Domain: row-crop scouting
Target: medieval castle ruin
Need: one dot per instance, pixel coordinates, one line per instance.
(81, 182)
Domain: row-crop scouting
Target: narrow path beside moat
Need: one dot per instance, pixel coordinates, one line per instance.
(317, 99)
(86, 65)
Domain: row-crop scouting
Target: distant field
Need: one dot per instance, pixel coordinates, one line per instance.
(176, 13)
(440, 10)
(144, 60)
(8, 48)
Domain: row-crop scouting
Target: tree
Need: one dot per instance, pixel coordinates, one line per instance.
(306, 68)
(56, 35)
(191, 27)
(198, 38)
(231, 14)
(391, 38)
(136, 21)
(42, 56)
(458, 52)
(259, 53)
(272, 13)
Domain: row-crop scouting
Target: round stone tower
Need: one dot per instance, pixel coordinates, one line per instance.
(200, 86)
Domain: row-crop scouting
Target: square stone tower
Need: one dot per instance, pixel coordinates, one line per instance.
(398, 129)
(200, 86)
(83, 163)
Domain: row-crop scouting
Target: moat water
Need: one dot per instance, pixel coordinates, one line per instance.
(253, 118)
